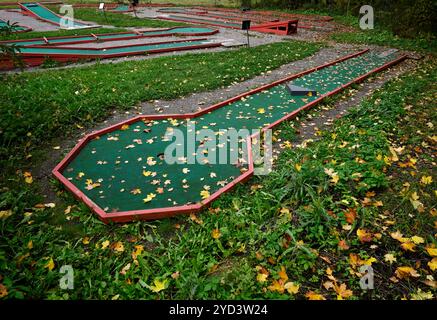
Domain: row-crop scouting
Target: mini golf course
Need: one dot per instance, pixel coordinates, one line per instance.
(15, 28)
(35, 51)
(40, 12)
(122, 173)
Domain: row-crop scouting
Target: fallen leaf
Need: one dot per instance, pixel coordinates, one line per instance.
(216, 234)
(158, 285)
(311, 295)
(406, 272)
(291, 287)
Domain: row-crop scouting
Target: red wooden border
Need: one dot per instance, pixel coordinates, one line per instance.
(36, 59)
(157, 213)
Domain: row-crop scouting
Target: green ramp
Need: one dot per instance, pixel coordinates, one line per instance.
(40, 12)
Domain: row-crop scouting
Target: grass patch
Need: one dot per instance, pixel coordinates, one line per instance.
(121, 20)
(425, 43)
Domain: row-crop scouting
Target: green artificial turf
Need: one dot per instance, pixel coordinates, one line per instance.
(120, 169)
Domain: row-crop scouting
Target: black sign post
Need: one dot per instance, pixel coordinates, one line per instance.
(134, 4)
(246, 26)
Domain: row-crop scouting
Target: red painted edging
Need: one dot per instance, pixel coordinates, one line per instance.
(171, 211)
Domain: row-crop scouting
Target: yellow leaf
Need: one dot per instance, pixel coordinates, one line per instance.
(426, 180)
(86, 240)
(311, 295)
(261, 110)
(277, 286)
(406, 272)
(105, 244)
(30, 245)
(28, 177)
(422, 295)
(149, 197)
(158, 285)
(283, 274)
(216, 233)
(147, 173)
(3, 291)
(364, 235)
(261, 277)
(124, 127)
(431, 251)
(389, 258)
(5, 214)
(50, 264)
(204, 194)
(298, 167)
(291, 287)
(417, 239)
(433, 264)
(118, 246)
(335, 178)
(408, 246)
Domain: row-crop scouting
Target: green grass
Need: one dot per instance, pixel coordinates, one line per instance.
(120, 20)
(426, 43)
(255, 237)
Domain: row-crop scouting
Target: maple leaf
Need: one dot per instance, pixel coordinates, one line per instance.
(3, 291)
(261, 110)
(124, 127)
(426, 180)
(158, 285)
(298, 167)
(417, 239)
(136, 191)
(28, 177)
(105, 244)
(389, 257)
(422, 295)
(261, 277)
(216, 234)
(204, 194)
(408, 246)
(149, 197)
(406, 272)
(5, 214)
(342, 244)
(342, 291)
(194, 218)
(364, 235)
(118, 246)
(283, 274)
(50, 264)
(431, 251)
(433, 264)
(138, 250)
(277, 285)
(311, 295)
(86, 240)
(291, 287)
(125, 269)
(351, 215)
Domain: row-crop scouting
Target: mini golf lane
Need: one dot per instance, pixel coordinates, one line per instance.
(40, 12)
(120, 172)
(35, 51)
(59, 41)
